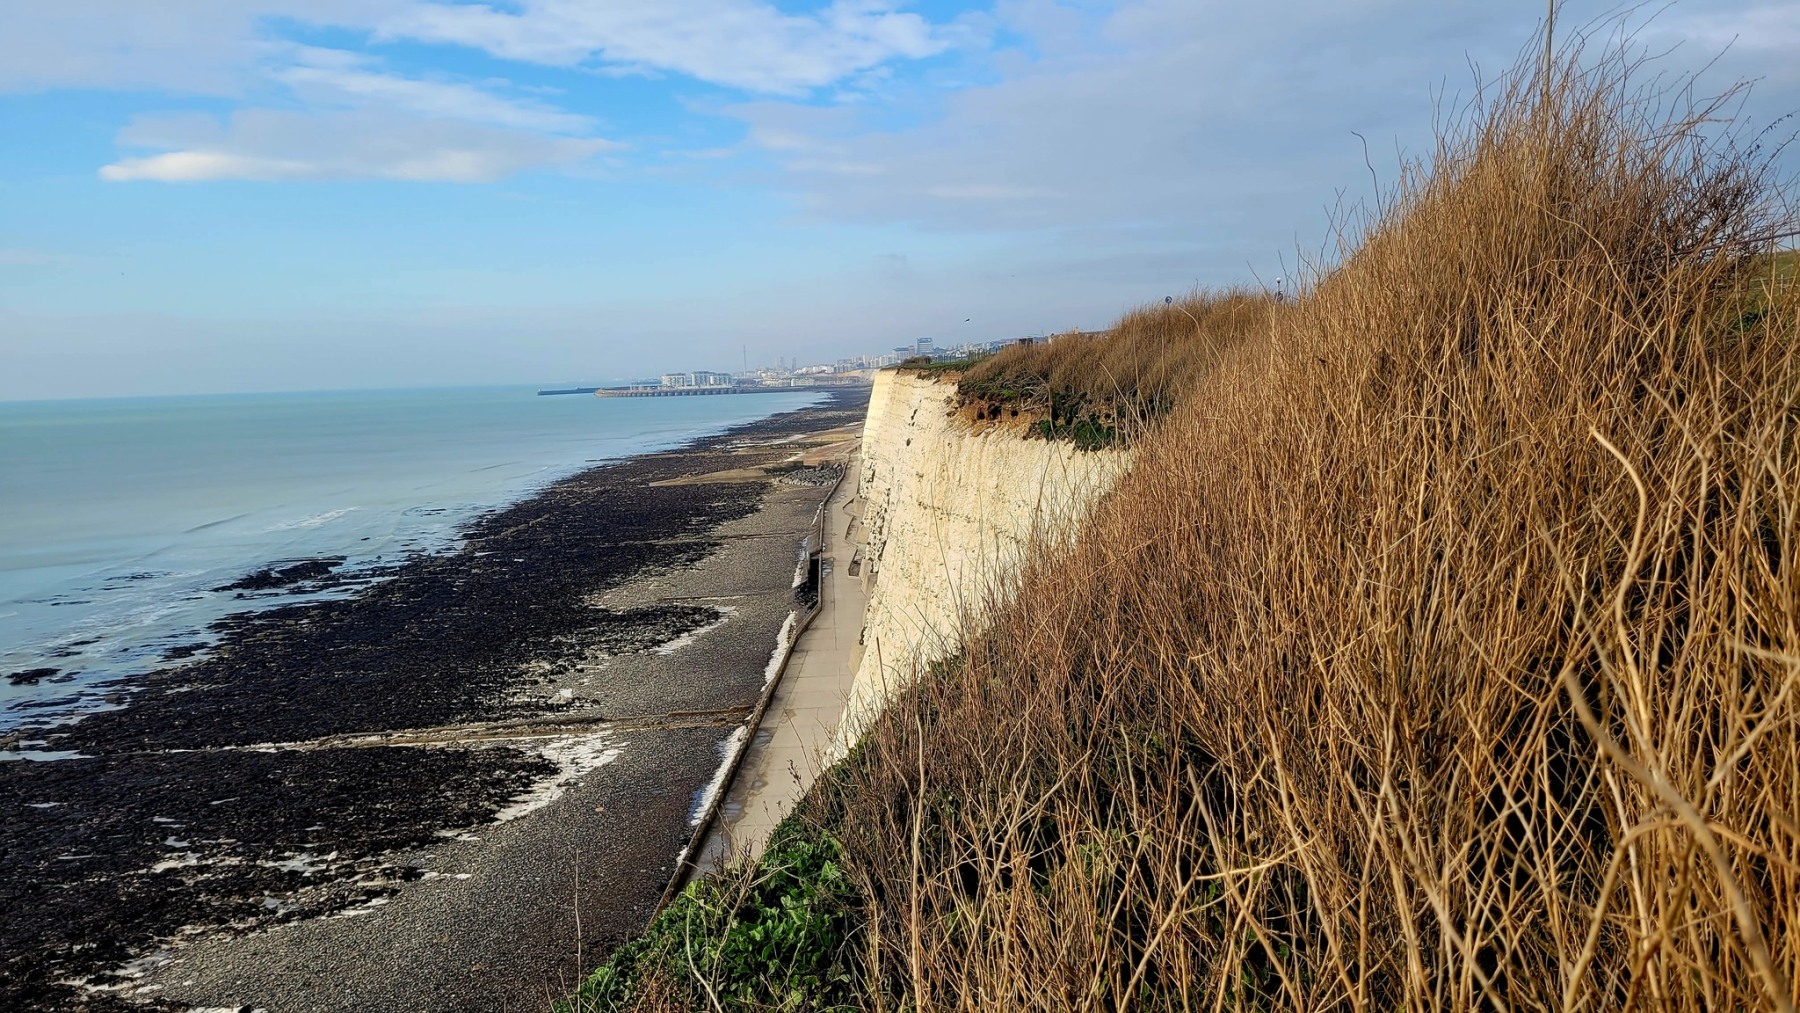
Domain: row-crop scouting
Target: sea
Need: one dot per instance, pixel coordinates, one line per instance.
(121, 519)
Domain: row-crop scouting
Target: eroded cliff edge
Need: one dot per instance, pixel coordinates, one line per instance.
(951, 507)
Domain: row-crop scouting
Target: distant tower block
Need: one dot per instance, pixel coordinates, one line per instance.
(923, 347)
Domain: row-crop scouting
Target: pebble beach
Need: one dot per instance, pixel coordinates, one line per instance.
(443, 791)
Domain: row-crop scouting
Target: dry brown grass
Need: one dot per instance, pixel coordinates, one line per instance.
(1125, 377)
(1439, 652)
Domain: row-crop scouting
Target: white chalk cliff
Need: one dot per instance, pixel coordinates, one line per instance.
(949, 508)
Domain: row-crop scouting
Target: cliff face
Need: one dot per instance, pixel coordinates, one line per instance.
(948, 510)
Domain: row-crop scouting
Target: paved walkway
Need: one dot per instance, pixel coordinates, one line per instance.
(804, 713)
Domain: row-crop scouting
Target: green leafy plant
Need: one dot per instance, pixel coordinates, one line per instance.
(773, 935)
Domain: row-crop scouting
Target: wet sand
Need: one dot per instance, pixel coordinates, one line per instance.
(302, 819)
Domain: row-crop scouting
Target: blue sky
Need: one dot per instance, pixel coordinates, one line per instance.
(219, 195)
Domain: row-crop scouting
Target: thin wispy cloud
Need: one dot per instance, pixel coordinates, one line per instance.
(347, 113)
(282, 146)
(748, 44)
(359, 120)
(212, 47)
(1761, 28)
(22, 257)
(987, 191)
(338, 77)
(1168, 117)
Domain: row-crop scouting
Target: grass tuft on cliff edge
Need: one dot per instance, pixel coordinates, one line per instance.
(1441, 650)
(1106, 389)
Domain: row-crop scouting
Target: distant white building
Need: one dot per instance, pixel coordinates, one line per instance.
(698, 378)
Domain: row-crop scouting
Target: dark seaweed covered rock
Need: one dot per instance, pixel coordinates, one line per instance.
(285, 573)
(31, 676)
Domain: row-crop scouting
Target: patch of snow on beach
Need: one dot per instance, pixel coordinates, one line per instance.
(690, 636)
(303, 862)
(784, 642)
(575, 756)
(703, 799)
(128, 976)
(180, 860)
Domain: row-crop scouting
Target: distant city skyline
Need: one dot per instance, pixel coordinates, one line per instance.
(242, 195)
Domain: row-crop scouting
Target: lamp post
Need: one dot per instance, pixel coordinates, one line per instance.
(1169, 300)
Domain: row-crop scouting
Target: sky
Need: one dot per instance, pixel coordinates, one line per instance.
(242, 195)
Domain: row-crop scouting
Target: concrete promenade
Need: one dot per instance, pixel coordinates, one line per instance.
(804, 713)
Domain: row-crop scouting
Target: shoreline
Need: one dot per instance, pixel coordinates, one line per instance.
(183, 553)
(589, 646)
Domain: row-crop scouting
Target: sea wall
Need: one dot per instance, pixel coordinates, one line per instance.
(948, 509)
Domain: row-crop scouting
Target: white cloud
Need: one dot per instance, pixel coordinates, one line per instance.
(279, 145)
(202, 166)
(357, 118)
(748, 44)
(1183, 121)
(217, 46)
(1760, 28)
(987, 191)
(337, 77)
(193, 46)
(19, 257)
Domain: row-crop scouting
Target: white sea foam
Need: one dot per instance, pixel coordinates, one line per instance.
(692, 635)
(307, 523)
(575, 756)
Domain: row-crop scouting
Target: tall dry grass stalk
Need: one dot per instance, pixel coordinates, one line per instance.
(1441, 650)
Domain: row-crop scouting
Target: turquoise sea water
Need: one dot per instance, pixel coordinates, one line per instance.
(117, 517)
